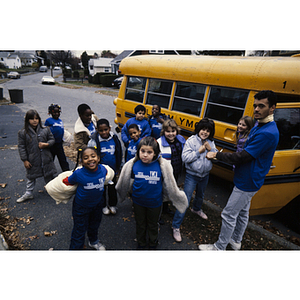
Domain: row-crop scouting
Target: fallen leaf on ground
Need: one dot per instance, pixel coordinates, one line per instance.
(3, 185)
(47, 233)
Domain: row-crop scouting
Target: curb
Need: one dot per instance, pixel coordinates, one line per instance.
(283, 242)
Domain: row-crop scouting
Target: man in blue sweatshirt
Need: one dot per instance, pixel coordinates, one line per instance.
(251, 167)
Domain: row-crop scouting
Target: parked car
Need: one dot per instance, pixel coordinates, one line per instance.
(56, 68)
(117, 82)
(43, 69)
(14, 75)
(48, 80)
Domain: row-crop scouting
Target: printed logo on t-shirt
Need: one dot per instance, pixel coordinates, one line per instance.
(58, 125)
(110, 150)
(92, 186)
(152, 179)
(132, 150)
(159, 126)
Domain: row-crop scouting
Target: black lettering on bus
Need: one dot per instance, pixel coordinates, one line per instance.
(181, 120)
(284, 84)
(189, 124)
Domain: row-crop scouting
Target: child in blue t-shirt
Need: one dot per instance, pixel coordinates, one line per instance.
(156, 120)
(147, 192)
(57, 128)
(110, 151)
(88, 201)
(140, 120)
(134, 133)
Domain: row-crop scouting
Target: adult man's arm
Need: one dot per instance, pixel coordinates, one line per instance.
(232, 158)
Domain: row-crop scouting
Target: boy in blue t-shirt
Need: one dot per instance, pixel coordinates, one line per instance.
(110, 152)
(156, 120)
(140, 120)
(134, 133)
(57, 128)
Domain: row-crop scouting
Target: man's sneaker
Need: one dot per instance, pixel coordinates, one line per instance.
(106, 210)
(234, 245)
(25, 197)
(200, 213)
(97, 246)
(177, 235)
(113, 210)
(207, 247)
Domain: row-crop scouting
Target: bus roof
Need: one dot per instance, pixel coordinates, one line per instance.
(280, 74)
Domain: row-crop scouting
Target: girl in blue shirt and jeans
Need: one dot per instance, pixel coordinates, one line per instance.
(88, 201)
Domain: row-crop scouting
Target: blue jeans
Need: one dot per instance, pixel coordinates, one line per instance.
(85, 220)
(191, 183)
(235, 218)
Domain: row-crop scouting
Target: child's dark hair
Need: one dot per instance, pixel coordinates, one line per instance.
(159, 108)
(52, 107)
(102, 121)
(80, 154)
(206, 123)
(138, 108)
(29, 116)
(82, 108)
(135, 126)
(149, 141)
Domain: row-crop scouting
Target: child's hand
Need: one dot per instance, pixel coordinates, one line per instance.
(211, 155)
(43, 145)
(160, 120)
(207, 146)
(202, 149)
(27, 164)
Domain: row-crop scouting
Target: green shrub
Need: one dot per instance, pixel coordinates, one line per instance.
(107, 79)
(67, 73)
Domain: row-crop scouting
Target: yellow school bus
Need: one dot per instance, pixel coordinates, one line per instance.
(189, 88)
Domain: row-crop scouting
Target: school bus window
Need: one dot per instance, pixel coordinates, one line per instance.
(189, 98)
(135, 89)
(226, 105)
(288, 123)
(159, 92)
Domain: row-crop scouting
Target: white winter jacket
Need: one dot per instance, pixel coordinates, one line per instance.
(196, 163)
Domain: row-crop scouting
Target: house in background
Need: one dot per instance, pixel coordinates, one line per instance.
(10, 60)
(116, 61)
(28, 57)
(99, 65)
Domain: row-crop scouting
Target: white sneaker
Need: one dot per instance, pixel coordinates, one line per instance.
(106, 210)
(177, 235)
(200, 213)
(207, 247)
(25, 197)
(97, 246)
(113, 210)
(234, 245)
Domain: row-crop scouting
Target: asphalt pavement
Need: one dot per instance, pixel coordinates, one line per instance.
(44, 225)
(42, 215)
